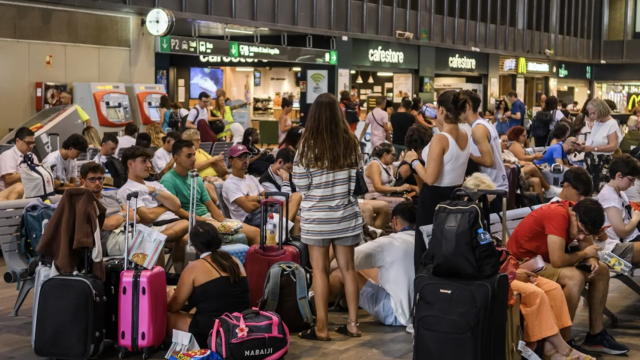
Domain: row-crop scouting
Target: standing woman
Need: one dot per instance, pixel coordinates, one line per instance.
(325, 172)
(602, 142)
(446, 159)
(222, 112)
(285, 122)
(165, 112)
(502, 122)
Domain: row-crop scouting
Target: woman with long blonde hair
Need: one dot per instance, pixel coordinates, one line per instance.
(93, 136)
(155, 131)
(325, 172)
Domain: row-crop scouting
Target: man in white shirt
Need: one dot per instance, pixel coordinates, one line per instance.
(573, 107)
(129, 138)
(10, 161)
(199, 112)
(107, 149)
(63, 162)
(157, 207)
(378, 119)
(385, 271)
(162, 159)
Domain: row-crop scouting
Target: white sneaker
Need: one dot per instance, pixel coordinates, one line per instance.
(552, 192)
(410, 328)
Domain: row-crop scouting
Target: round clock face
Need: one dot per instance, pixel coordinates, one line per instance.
(159, 22)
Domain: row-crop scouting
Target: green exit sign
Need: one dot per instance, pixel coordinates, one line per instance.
(333, 58)
(165, 44)
(234, 50)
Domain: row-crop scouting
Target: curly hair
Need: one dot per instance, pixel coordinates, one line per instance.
(515, 132)
(418, 137)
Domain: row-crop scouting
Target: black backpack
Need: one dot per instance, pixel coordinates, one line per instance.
(183, 120)
(117, 172)
(351, 114)
(175, 120)
(540, 124)
(454, 250)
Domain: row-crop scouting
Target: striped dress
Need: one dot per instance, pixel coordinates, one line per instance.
(328, 209)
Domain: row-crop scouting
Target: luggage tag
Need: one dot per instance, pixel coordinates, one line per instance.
(526, 352)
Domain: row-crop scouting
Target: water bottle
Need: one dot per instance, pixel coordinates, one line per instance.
(272, 231)
(483, 237)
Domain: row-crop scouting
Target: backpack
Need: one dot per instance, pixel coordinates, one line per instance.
(34, 220)
(630, 140)
(351, 114)
(286, 289)
(37, 180)
(252, 334)
(541, 123)
(175, 121)
(183, 119)
(454, 249)
(217, 126)
(117, 171)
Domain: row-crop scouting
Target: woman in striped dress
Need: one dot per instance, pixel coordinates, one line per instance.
(325, 172)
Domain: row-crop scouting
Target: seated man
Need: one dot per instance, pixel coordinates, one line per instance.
(143, 140)
(557, 154)
(10, 160)
(177, 182)
(385, 272)
(621, 220)
(107, 149)
(547, 231)
(129, 138)
(243, 193)
(63, 162)
(577, 185)
(277, 178)
(163, 161)
(157, 207)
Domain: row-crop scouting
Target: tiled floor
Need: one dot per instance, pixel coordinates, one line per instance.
(378, 342)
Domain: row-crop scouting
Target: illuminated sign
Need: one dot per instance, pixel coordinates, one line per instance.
(537, 67)
(562, 72)
(589, 72)
(216, 58)
(509, 65)
(386, 56)
(458, 62)
(104, 87)
(522, 66)
(633, 101)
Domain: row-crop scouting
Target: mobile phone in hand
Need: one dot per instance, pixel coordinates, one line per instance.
(584, 267)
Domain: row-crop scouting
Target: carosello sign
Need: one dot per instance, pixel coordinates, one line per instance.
(386, 56)
(462, 62)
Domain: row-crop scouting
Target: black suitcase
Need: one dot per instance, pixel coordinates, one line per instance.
(70, 318)
(113, 268)
(460, 319)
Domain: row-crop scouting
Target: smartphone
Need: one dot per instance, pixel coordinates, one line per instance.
(584, 267)
(430, 112)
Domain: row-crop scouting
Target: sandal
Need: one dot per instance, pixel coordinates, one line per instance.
(311, 335)
(568, 355)
(344, 330)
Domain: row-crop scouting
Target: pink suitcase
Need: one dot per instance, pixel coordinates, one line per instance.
(142, 306)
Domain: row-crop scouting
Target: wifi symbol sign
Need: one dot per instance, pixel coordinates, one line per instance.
(317, 78)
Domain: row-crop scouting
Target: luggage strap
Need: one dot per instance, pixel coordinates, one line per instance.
(272, 288)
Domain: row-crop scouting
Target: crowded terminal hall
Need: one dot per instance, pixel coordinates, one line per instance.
(340, 187)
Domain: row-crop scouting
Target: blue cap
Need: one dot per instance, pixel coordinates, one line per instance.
(480, 231)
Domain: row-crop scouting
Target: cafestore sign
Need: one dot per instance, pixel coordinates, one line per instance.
(462, 62)
(386, 56)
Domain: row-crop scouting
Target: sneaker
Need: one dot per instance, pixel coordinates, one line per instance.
(604, 343)
(409, 329)
(552, 192)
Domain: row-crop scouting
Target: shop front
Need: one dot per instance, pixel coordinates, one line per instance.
(528, 77)
(573, 83)
(259, 74)
(619, 83)
(461, 70)
(383, 69)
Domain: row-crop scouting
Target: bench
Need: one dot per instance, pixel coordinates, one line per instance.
(222, 147)
(206, 147)
(223, 205)
(17, 264)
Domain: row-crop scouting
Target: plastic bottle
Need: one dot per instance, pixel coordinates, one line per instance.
(272, 231)
(483, 237)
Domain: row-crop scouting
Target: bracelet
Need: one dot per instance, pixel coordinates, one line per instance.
(124, 216)
(155, 194)
(413, 166)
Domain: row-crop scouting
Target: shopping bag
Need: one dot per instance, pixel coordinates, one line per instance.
(146, 247)
(181, 342)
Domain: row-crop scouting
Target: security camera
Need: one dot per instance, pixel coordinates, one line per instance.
(475, 49)
(602, 62)
(548, 52)
(404, 35)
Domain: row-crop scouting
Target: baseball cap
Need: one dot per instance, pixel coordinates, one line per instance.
(237, 150)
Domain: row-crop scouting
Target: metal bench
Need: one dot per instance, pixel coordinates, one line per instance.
(222, 147)
(223, 205)
(206, 147)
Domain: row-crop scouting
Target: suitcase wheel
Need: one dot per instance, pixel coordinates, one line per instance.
(121, 353)
(145, 354)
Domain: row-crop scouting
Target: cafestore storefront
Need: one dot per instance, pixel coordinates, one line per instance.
(529, 77)
(573, 82)
(461, 70)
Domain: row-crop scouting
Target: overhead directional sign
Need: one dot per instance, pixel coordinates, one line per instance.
(234, 51)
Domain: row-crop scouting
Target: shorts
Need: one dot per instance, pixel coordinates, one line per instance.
(549, 272)
(377, 302)
(625, 251)
(116, 240)
(351, 240)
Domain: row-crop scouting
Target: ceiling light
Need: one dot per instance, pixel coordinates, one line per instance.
(267, 29)
(385, 74)
(240, 31)
(359, 79)
(244, 69)
(352, 71)
(297, 69)
(370, 81)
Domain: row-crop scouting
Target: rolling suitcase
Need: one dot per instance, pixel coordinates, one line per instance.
(112, 268)
(554, 176)
(261, 257)
(43, 273)
(142, 303)
(449, 313)
(61, 298)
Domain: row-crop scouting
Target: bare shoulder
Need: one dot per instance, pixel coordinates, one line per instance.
(242, 271)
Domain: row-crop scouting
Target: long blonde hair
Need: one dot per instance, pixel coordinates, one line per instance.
(327, 142)
(93, 136)
(155, 131)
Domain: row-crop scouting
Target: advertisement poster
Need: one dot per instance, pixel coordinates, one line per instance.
(207, 80)
(343, 79)
(318, 83)
(402, 86)
(520, 87)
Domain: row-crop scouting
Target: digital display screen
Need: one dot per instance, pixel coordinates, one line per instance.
(154, 114)
(112, 114)
(207, 80)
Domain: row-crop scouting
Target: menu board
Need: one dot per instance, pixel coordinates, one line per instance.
(402, 83)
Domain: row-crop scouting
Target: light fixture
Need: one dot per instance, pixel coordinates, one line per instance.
(385, 74)
(352, 71)
(370, 81)
(244, 69)
(359, 79)
(264, 29)
(297, 69)
(588, 91)
(240, 31)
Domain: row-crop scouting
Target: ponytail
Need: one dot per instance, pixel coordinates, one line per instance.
(226, 263)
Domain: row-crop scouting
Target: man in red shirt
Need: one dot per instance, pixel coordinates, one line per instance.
(546, 232)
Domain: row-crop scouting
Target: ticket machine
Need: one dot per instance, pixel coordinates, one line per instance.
(107, 104)
(145, 103)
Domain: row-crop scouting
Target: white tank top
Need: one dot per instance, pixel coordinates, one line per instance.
(386, 178)
(496, 173)
(454, 163)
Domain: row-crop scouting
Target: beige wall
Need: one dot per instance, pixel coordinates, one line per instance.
(22, 64)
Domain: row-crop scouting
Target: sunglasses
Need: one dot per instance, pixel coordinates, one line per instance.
(94, 179)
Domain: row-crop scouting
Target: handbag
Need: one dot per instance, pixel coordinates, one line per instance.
(361, 187)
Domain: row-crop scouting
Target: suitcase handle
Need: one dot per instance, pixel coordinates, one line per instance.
(131, 195)
(283, 235)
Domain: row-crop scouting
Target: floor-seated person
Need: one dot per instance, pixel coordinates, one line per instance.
(156, 206)
(379, 175)
(162, 158)
(547, 231)
(63, 162)
(211, 168)
(215, 284)
(385, 270)
(558, 153)
(177, 182)
(243, 193)
(277, 178)
(621, 220)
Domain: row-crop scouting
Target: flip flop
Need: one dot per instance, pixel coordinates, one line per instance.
(311, 335)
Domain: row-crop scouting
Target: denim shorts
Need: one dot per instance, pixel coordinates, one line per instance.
(377, 302)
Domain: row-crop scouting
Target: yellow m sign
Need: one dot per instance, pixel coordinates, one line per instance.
(633, 101)
(522, 66)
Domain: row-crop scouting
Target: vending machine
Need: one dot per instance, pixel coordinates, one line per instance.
(145, 103)
(107, 104)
